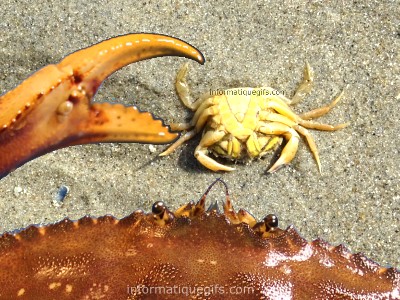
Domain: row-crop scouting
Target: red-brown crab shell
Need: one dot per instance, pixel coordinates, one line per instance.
(189, 254)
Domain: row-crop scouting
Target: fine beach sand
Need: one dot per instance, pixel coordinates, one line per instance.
(356, 200)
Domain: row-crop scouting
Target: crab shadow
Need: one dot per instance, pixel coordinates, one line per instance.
(186, 159)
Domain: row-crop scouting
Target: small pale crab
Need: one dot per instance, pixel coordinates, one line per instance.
(248, 122)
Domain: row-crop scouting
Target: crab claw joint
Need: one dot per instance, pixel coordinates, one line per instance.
(52, 109)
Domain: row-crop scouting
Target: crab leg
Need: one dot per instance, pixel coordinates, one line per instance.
(305, 86)
(209, 139)
(183, 90)
(208, 162)
(187, 136)
(318, 112)
(286, 113)
(311, 143)
(52, 109)
(197, 123)
(280, 118)
(290, 149)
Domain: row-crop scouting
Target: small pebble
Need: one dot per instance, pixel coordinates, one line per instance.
(59, 195)
(152, 148)
(17, 191)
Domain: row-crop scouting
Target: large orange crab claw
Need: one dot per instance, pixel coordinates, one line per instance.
(51, 109)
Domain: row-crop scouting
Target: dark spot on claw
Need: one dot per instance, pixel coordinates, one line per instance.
(73, 99)
(78, 77)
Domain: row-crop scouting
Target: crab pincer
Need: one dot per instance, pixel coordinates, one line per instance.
(52, 109)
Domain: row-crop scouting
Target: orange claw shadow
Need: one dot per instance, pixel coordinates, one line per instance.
(52, 108)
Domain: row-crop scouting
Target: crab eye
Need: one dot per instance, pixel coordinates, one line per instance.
(271, 221)
(158, 208)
